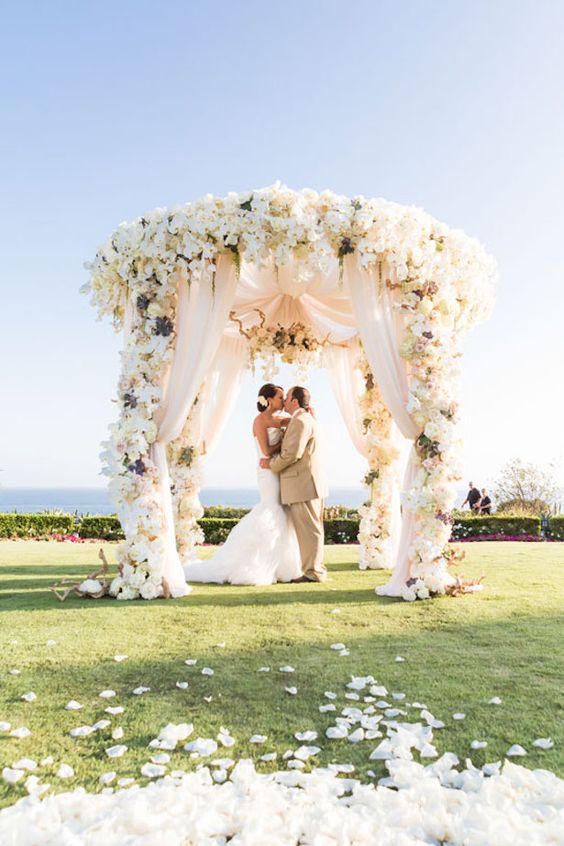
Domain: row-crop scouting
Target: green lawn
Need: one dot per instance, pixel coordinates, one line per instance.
(506, 641)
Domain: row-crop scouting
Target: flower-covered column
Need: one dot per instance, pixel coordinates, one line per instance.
(185, 464)
(376, 517)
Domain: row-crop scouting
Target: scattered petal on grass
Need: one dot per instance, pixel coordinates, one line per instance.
(48, 761)
(33, 786)
(101, 724)
(191, 661)
(220, 645)
(208, 698)
(458, 716)
(287, 669)
(344, 653)
(202, 746)
(139, 691)
(478, 744)
(270, 756)
(495, 700)
(207, 671)
(219, 776)
(182, 685)
(81, 731)
(29, 697)
(338, 646)
(73, 705)
(291, 690)
(515, 751)
(4, 726)
(152, 770)
(264, 669)
(397, 696)
(543, 743)
(107, 694)
(399, 659)
(225, 763)
(120, 658)
(356, 736)
(336, 732)
(51, 642)
(306, 736)
(15, 672)
(258, 738)
(161, 758)
(335, 611)
(20, 733)
(115, 709)
(330, 695)
(117, 733)
(116, 751)
(12, 776)
(329, 707)
(107, 778)
(225, 739)
(491, 769)
(295, 765)
(25, 764)
(65, 771)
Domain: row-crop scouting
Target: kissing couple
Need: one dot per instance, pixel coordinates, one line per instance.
(281, 539)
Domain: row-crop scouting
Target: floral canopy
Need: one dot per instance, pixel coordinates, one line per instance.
(381, 293)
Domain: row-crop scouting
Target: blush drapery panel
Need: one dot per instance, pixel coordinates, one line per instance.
(201, 317)
(379, 331)
(220, 390)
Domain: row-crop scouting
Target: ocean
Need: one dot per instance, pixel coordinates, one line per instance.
(97, 500)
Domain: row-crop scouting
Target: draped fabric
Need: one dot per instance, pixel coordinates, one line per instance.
(380, 333)
(348, 386)
(222, 385)
(202, 315)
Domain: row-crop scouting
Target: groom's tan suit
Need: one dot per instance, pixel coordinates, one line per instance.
(303, 488)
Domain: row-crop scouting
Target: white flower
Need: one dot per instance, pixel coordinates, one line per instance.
(65, 771)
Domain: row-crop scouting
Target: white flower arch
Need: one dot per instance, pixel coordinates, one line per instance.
(437, 282)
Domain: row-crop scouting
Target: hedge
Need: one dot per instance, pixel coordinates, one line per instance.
(216, 528)
(492, 524)
(35, 525)
(557, 527)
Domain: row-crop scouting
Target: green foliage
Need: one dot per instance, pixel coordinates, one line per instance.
(557, 527)
(494, 524)
(341, 531)
(216, 529)
(104, 527)
(35, 525)
(224, 511)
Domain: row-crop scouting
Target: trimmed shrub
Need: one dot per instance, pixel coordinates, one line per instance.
(221, 512)
(35, 525)
(494, 524)
(556, 527)
(103, 527)
(341, 531)
(216, 529)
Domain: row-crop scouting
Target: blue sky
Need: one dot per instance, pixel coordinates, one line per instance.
(113, 108)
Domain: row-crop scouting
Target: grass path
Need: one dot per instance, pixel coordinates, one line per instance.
(506, 641)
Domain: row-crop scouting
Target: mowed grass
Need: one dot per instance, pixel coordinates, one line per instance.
(506, 641)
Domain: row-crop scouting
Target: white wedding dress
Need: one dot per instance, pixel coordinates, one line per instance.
(263, 547)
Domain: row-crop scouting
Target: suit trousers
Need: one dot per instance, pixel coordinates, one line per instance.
(307, 518)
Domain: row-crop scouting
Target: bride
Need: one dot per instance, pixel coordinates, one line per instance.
(263, 547)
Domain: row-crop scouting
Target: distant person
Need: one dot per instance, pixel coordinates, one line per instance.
(485, 503)
(473, 498)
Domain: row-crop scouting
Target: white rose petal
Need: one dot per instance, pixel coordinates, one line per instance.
(29, 697)
(12, 776)
(329, 707)
(114, 710)
(152, 770)
(478, 744)
(543, 743)
(140, 690)
(81, 731)
(15, 672)
(287, 669)
(182, 685)
(116, 751)
(65, 771)
(117, 733)
(107, 694)
(202, 746)
(258, 738)
(264, 669)
(161, 758)
(120, 658)
(20, 733)
(191, 661)
(219, 776)
(25, 764)
(306, 736)
(495, 700)
(126, 782)
(291, 690)
(207, 671)
(101, 724)
(73, 705)
(107, 778)
(48, 761)
(338, 646)
(336, 733)
(330, 695)
(458, 716)
(51, 642)
(399, 659)
(270, 756)
(4, 726)
(515, 751)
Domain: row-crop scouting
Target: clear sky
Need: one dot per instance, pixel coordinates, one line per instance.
(112, 108)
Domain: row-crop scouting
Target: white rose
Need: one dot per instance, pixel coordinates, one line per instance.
(90, 586)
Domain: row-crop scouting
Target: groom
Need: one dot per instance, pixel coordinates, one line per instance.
(302, 482)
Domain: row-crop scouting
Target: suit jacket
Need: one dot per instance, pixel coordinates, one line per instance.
(300, 465)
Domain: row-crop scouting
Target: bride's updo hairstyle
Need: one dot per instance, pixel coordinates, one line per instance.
(267, 392)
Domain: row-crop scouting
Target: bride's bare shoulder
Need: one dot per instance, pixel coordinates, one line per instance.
(259, 424)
